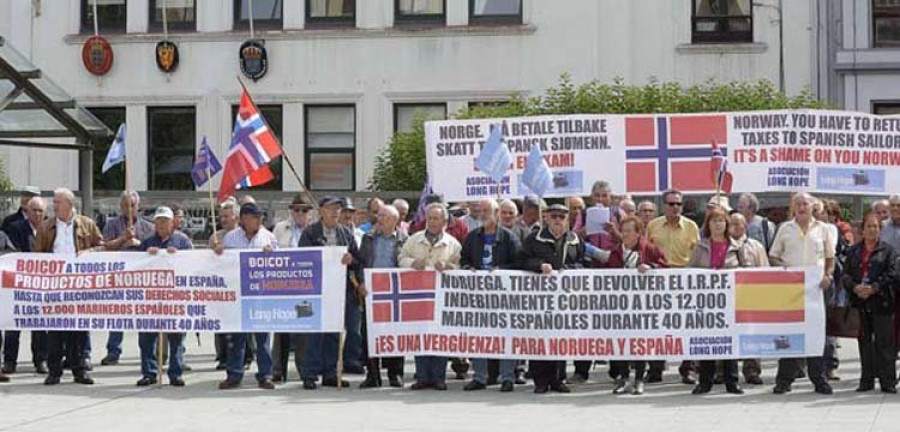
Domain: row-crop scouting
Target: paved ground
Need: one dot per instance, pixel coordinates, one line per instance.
(116, 404)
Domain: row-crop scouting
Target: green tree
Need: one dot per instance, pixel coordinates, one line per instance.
(401, 165)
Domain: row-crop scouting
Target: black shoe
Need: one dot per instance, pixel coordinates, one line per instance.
(51, 380)
(266, 384)
(754, 380)
(474, 385)
(781, 388)
(333, 382)
(864, 387)
(507, 386)
(229, 384)
(395, 382)
(541, 389)
(278, 377)
(370, 382)
(889, 390)
(701, 389)
(108, 361)
(40, 368)
(146, 381)
(84, 379)
(8, 369)
(733, 388)
(176, 382)
(562, 388)
(221, 366)
(3, 378)
(420, 386)
(824, 389)
(309, 384)
(441, 386)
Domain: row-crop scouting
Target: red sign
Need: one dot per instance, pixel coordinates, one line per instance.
(97, 55)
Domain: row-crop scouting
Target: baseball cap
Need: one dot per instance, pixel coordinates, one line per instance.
(163, 212)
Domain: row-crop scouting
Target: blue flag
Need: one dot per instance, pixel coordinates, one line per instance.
(494, 159)
(116, 152)
(537, 175)
(206, 161)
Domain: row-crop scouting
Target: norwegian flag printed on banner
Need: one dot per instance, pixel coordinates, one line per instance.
(403, 296)
(672, 152)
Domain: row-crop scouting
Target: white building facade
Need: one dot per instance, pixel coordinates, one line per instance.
(343, 75)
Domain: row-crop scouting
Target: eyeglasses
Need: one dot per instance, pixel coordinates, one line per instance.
(674, 204)
(557, 216)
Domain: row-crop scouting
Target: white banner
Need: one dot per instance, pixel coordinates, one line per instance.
(288, 290)
(792, 150)
(597, 314)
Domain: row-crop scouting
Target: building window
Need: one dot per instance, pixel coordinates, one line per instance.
(266, 14)
(886, 108)
(331, 12)
(330, 147)
(111, 15)
(886, 23)
(273, 116)
(180, 14)
(171, 147)
(114, 179)
(420, 12)
(487, 104)
(722, 21)
(495, 11)
(405, 114)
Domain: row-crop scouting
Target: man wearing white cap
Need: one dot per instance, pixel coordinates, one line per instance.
(164, 238)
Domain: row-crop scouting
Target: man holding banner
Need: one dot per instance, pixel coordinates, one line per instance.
(67, 233)
(250, 235)
(800, 242)
(553, 248)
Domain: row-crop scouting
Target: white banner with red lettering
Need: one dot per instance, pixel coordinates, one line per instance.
(820, 151)
(591, 314)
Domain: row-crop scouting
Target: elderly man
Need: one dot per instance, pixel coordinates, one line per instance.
(576, 207)
(473, 219)
(228, 220)
(123, 233)
(288, 232)
(249, 236)
(381, 249)
(168, 239)
(601, 195)
(553, 248)
(403, 208)
(22, 235)
(490, 247)
(882, 209)
(675, 235)
(509, 219)
(756, 253)
(758, 227)
(804, 242)
(27, 193)
(435, 249)
(627, 207)
(67, 233)
(320, 358)
(646, 210)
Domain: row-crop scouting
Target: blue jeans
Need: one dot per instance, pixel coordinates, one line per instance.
(320, 357)
(114, 345)
(237, 345)
(353, 338)
(507, 370)
(149, 363)
(431, 369)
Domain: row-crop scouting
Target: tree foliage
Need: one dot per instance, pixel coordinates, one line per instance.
(401, 165)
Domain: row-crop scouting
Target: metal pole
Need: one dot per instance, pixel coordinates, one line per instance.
(86, 178)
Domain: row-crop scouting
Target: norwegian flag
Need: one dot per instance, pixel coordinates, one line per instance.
(672, 152)
(403, 296)
(719, 170)
(253, 147)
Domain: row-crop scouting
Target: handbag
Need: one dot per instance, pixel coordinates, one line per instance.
(843, 321)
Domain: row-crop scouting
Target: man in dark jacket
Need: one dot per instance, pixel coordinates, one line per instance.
(552, 248)
(321, 353)
(22, 233)
(486, 248)
(28, 192)
(381, 248)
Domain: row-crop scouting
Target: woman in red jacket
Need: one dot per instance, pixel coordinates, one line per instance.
(634, 252)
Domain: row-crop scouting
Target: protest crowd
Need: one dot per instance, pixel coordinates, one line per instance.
(859, 266)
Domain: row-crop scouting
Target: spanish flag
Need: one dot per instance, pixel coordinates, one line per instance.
(769, 297)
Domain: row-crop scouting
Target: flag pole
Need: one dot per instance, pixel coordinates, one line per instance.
(340, 361)
(284, 155)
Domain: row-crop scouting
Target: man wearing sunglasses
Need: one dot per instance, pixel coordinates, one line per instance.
(675, 235)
